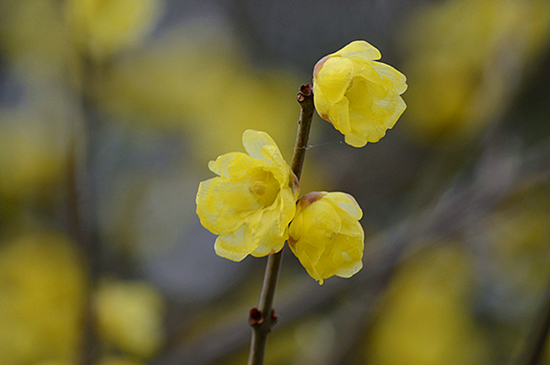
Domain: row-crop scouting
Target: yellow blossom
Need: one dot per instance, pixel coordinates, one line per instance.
(103, 28)
(359, 96)
(326, 236)
(130, 317)
(252, 201)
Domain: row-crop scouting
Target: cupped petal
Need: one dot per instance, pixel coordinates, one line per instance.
(360, 49)
(345, 202)
(223, 205)
(287, 208)
(321, 104)
(242, 164)
(263, 250)
(355, 139)
(221, 164)
(394, 106)
(236, 245)
(255, 141)
(367, 127)
(207, 213)
(339, 116)
(268, 232)
(308, 256)
(398, 80)
(321, 223)
(334, 78)
(280, 169)
(347, 255)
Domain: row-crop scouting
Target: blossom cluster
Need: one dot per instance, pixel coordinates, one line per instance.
(252, 205)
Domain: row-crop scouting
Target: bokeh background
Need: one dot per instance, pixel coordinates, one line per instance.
(111, 109)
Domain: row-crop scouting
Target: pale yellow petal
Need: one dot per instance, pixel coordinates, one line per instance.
(321, 103)
(355, 139)
(398, 80)
(206, 215)
(346, 202)
(339, 116)
(348, 258)
(367, 127)
(254, 141)
(302, 251)
(360, 49)
(222, 205)
(236, 245)
(334, 78)
(264, 250)
(394, 105)
(220, 166)
(321, 223)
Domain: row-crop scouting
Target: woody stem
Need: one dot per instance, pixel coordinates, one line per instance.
(263, 318)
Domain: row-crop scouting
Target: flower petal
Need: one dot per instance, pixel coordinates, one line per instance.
(236, 245)
(334, 78)
(398, 80)
(346, 202)
(255, 141)
(321, 103)
(339, 116)
(220, 166)
(326, 236)
(360, 49)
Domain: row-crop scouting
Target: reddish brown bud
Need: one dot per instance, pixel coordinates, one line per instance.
(255, 317)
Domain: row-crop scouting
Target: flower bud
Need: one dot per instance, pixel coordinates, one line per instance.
(359, 96)
(326, 235)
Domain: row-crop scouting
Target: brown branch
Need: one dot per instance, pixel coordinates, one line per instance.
(263, 318)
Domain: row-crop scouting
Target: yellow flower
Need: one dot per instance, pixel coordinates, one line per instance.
(130, 317)
(326, 236)
(359, 96)
(103, 28)
(253, 200)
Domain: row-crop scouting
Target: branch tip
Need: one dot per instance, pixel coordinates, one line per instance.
(304, 93)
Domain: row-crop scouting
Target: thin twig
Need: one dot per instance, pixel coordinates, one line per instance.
(263, 318)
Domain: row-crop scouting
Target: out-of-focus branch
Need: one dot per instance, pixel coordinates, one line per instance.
(80, 204)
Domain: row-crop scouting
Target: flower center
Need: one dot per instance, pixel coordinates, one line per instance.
(264, 187)
(257, 187)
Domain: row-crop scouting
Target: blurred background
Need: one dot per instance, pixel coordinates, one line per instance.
(111, 109)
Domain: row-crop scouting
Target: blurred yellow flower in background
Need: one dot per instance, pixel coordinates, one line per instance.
(425, 319)
(102, 28)
(465, 60)
(32, 157)
(208, 94)
(253, 200)
(130, 317)
(326, 236)
(34, 37)
(42, 286)
(359, 96)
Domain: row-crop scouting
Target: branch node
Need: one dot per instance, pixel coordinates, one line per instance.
(304, 93)
(255, 317)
